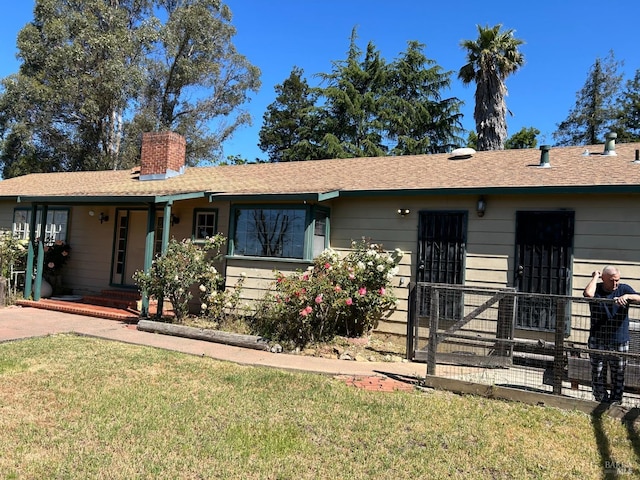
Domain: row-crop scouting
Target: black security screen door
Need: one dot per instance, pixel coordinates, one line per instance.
(544, 242)
(442, 238)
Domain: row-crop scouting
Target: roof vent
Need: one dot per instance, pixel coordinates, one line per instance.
(610, 144)
(460, 153)
(544, 156)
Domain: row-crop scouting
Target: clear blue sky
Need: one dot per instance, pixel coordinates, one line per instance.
(562, 40)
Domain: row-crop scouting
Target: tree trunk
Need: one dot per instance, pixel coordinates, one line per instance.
(3, 291)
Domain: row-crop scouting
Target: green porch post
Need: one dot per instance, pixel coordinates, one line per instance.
(166, 226)
(148, 254)
(28, 276)
(40, 259)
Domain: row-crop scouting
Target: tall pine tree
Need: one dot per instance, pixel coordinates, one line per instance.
(595, 111)
(352, 103)
(290, 130)
(628, 121)
(417, 119)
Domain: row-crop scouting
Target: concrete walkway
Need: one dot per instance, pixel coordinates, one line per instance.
(25, 322)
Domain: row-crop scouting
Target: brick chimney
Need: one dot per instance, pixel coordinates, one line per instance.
(162, 156)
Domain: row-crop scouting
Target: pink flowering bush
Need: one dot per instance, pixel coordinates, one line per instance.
(335, 296)
(56, 255)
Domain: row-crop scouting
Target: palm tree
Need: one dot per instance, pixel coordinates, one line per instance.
(491, 59)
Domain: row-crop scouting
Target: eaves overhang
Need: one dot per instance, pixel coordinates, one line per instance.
(519, 190)
(106, 199)
(280, 197)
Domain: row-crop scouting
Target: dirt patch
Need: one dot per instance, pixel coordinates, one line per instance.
(372, 348)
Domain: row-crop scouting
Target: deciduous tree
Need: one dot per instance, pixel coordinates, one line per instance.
(525, 138)
(195, 81)
(94, 74)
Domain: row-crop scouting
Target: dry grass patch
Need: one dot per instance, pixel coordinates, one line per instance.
(79, 408)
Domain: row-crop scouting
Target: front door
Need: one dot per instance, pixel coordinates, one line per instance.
(131, 234)
(442, 240)
(544, 248)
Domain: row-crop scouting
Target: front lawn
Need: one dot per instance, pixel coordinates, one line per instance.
(80, 408)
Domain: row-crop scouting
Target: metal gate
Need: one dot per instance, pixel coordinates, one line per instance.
(481, 336)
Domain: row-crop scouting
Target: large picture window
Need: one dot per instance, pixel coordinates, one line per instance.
(281, 232)
(55, 229)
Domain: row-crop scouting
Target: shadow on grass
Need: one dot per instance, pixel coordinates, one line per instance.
(612, 469)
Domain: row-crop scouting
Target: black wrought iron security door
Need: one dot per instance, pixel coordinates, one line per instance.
(544, 243)
(442, 238)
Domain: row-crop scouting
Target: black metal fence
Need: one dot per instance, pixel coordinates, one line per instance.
(534, 342)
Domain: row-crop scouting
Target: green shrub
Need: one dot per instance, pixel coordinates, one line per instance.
(13, 251)
(184, 265)
(219, 305)
(335, 296)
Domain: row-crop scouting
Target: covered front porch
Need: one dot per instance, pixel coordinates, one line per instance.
(104, 256)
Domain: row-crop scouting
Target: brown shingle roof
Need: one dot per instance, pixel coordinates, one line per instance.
(495, 169)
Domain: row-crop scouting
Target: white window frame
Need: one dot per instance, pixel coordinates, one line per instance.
(199, 213)
(55, 229)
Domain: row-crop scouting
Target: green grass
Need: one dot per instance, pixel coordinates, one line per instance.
(80, 408)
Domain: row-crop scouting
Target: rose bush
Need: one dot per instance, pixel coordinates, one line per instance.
(219, 305)
(335, 296)
(184, 265)
(13, 251)
(56, 255)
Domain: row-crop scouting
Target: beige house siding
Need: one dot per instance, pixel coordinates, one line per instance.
(6, 215)
(378, 220)
(607, 231)
(88, 271)
(490, 241)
